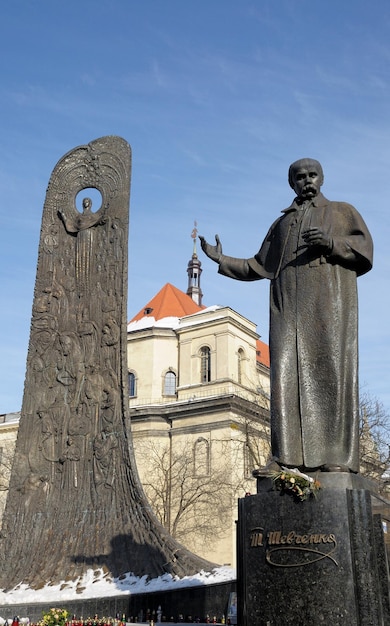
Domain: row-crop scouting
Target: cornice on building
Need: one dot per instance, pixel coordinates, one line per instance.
(203, 406)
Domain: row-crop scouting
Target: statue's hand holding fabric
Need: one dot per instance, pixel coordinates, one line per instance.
(316, 237)
(213, 252)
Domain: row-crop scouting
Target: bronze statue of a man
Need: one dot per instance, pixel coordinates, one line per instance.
(312, 255)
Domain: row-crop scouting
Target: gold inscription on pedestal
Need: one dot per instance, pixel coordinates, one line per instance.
(256, 537)
(293, 549)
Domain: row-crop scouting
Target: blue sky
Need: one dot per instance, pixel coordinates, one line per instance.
(216, 98)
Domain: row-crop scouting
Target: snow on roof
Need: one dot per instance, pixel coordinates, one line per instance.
(148, 321)
(9, 418)
(151, 322)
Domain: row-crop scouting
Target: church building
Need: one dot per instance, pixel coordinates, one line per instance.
(199, 407)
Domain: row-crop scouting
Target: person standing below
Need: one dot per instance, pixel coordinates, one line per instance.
(312, 255)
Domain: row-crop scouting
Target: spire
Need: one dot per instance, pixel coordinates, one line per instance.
(194, 271)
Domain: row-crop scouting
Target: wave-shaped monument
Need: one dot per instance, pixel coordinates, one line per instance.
(75, 500)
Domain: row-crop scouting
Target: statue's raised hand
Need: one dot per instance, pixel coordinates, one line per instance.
(213, 252)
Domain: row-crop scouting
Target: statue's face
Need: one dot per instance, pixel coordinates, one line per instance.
(87, 203)
(65, 344)
(307, 180)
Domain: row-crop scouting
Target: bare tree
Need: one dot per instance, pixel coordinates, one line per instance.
(6, 458)
(375, 440)
(7, 450)
(254, 436)
(190, 502)
(251, 449)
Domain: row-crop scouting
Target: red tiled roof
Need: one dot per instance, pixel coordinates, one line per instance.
(262, 353)
(171, 302)
(168, 302)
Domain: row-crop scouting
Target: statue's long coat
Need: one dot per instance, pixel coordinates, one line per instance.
(313, 331)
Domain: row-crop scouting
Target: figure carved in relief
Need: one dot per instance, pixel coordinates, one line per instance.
(110, 377)
(42, 302)
(104, 445)
(49, 437)
(33, 487)
(79, 422)
(70, 462)
(50, 244)
(88, 332)
(34, 379)
(110, 340)
(116, 235)
(93, 390)
(82, 225)
(110, 407)
(59, 306)
(43, 372)
(109, 302)
(71, 365)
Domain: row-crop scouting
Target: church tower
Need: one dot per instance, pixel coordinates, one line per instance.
(194, 271)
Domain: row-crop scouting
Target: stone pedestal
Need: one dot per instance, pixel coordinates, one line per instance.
(321, 561)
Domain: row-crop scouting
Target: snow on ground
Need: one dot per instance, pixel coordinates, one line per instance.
(97, 584)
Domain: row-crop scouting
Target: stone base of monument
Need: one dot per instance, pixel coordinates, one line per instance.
(185, 604)
(312, 562)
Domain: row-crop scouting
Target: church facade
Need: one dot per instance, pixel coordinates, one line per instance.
(199, 407)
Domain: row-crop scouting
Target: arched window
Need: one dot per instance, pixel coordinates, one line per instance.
(170, 384)
(201, 457)
(205, 365)
(249, 464)
(240, 364)
(132, 385)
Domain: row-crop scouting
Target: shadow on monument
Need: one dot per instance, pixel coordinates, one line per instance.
(126, 550)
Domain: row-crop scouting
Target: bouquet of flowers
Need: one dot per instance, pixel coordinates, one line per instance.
(54, 617)
(294, 482)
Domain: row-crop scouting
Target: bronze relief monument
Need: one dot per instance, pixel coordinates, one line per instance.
(75, 500)
(312, 255)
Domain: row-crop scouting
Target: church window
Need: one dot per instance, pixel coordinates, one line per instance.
(248, 461)
(202, 457)
(132, 385)
(240, 363)
(205, 364)
(170, 384)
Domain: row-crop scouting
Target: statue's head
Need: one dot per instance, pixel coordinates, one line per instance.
(87, 205)
(306, 177)
(66, 344)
